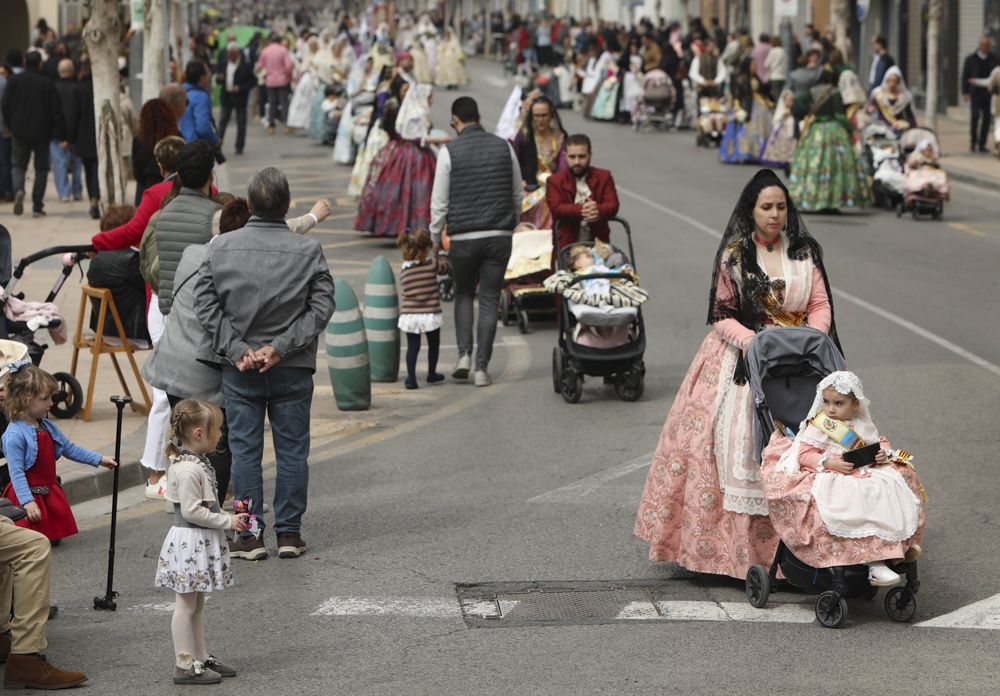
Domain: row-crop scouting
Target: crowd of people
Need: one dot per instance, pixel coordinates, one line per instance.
(801, 108)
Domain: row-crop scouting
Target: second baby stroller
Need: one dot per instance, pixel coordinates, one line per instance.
(784, 367)
(622, 364)
(530, 263)
(655, 106)
(925, 184)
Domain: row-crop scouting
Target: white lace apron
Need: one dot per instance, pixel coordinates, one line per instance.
(735, 449)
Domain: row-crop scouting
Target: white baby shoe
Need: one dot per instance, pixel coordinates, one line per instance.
(880, 575)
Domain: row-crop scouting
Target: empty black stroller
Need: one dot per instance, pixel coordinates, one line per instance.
(68, 401)
(621, 365)
(784, 367)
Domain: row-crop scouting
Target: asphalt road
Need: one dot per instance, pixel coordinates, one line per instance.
(510, 484)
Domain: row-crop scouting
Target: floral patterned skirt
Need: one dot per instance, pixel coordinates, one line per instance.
(194, 560)
(797, 520)
(397, 196)
(825, 174)
(681, 513)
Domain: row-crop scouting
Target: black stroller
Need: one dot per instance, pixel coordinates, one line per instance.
(622, 365)
(68, 400)
(784, 367)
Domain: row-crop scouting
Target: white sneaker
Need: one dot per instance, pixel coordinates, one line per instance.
(462, 368)
(156, 491)
(482, 378)
(879, 575)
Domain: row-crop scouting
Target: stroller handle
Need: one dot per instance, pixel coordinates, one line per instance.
(614, 218)
(50, 251)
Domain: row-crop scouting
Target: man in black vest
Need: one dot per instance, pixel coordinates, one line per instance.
(477, 194)
(978, 64)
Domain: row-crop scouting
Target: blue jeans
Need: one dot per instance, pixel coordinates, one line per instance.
(285, 395)
(65, 171)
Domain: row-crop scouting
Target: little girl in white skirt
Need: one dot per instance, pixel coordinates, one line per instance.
(194, 558)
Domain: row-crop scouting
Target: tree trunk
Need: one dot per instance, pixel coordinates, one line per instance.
(840, 12)
(154, 68)
(595, 7)
(102, 38)
(934, 10)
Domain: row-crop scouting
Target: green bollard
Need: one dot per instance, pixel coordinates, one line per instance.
(347, 352)
(381, 314)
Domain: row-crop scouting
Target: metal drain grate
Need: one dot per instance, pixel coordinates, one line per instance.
(510, 604)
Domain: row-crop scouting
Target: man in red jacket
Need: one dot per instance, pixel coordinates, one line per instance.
(581, 198)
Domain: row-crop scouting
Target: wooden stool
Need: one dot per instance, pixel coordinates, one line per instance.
(98, 347)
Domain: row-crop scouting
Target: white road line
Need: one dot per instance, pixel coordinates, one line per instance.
(416, 607)
(982, 614)
(664, 610)
(585, 486)
(934, 338)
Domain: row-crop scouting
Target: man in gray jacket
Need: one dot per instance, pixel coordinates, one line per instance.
(477, 193)
(264, 295)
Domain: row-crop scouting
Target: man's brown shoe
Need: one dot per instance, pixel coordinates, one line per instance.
(4, 646)
(290, 545)
(248, 548)
(35, 672)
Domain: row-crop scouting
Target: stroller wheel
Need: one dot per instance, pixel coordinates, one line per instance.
(831, 609)
(938, 211)
(505, 307)
(629, 385)
(758, 586)
(68, 400)
(571, 386)
(900, 604)
(447, 289)
(558, 363)
(522, 321)
(899, 209)
(916, 212)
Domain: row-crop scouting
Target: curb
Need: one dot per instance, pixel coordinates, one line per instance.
(966, 177)
(100, 483)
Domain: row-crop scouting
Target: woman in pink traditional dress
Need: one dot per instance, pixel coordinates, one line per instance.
(703, 506)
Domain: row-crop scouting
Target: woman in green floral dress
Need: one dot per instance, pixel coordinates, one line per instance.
(825, 174)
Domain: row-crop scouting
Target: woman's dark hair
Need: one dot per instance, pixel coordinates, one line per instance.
(156, 122)
(528, 156)
(737, 255)
(389, 112)
(235, 215)
(194, 71)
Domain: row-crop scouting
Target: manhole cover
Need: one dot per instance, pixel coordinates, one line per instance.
(510, 604)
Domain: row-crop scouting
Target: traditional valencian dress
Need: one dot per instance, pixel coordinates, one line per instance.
(703, 505)
(749, 123)
(830, 519)
(825, 174)
(397, 196)
(780, 146)
(894, 111)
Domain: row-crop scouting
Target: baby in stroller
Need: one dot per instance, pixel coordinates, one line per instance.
(923, 175)
(604, 306)
(838, 495)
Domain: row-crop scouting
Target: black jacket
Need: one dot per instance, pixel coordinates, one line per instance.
(66, 87)
(244, 79)
(32, 109)
(975, 66)
(82, 124)
(144, 168)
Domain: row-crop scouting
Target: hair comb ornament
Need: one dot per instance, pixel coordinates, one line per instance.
(17, 365)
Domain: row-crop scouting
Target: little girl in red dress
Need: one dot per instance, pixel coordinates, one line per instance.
(32, 444)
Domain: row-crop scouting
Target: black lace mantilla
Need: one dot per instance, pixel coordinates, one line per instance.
(746, 300)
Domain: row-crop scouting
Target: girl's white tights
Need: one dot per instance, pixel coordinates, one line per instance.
(188, 628)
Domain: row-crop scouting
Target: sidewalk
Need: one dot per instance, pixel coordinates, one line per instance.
(977, 169)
